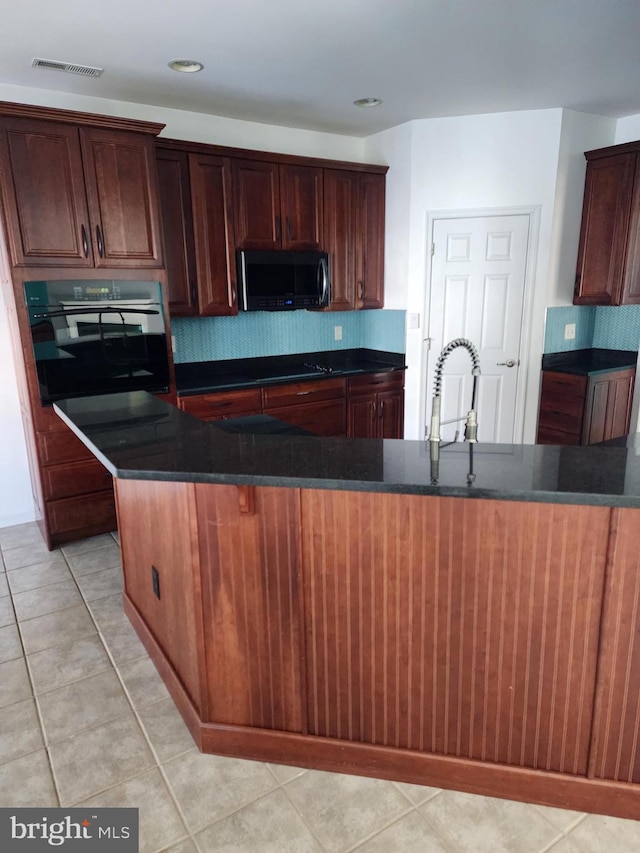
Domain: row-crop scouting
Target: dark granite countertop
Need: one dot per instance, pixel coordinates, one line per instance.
(201, 377)
(587, 362)
(137, 436)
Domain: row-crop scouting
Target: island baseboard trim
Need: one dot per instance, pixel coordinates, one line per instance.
(167, 673)
(600, 796)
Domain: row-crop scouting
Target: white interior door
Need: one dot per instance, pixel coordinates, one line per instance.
(477, 292)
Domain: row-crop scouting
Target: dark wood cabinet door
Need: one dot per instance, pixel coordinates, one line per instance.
(370, 233)
(390, 414)
(256, 194)
(340, 193)
(608, 409)
(44, 194)
(630, 294)
(619, 401)
(605, 223)
(213, 233)
(594, 429)
(361, 417)
(301, 200)
(121, 183)
(177, 229)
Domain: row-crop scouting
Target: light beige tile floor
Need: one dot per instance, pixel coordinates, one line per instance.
(85, 720)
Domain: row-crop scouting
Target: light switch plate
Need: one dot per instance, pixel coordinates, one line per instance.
(570, 331)
(414, 321)
(337, 331)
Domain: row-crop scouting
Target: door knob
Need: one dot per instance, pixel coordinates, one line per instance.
(509, 363)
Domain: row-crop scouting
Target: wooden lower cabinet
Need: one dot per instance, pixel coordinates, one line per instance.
(585, 410)
(376, 405)
(364, 406)
(222, 404)
(485, 646)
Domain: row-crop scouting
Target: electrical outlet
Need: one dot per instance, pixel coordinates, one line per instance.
(337, 331)
(155, 581)
(570, 331)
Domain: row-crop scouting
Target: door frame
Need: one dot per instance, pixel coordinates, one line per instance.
(534, 213)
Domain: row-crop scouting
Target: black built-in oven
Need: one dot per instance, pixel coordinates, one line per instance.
(97, 337)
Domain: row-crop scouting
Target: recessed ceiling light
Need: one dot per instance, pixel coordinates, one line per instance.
(368, 102)
(187, 66)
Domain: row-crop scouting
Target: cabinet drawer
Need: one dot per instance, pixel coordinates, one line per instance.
(299, 392)
(77, 478)
(91, 514)
(223, 404)
(563, 383)
(547, 435)
(327, 417)
(558, 414)
(372, 382)
(61, 446)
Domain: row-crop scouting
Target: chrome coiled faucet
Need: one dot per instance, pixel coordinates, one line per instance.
(471, 420)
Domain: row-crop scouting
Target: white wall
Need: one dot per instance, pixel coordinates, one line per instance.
(501, 160)
(16, 503)
(627, 129)
(199, 127)
(580, 132)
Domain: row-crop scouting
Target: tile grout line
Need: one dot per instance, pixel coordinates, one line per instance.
(43, 733)
(139, 722)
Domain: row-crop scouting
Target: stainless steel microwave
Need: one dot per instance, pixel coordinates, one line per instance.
(282, 281)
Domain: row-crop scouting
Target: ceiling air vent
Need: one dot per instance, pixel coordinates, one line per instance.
(69, 67)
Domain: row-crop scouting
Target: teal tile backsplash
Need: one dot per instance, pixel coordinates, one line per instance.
(584, 319)
(617, 328)
(258, 333)
(599, 326)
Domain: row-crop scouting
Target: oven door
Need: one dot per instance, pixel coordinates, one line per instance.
(87, 348)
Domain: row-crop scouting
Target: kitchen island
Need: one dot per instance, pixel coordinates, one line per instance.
(350, 605)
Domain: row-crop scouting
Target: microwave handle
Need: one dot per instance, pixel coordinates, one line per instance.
(243, 278)
(323, 271)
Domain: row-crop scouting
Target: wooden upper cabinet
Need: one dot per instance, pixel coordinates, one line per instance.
(370, 251)
(197, 220)
(177, 227)
(301, 201)
(339, 236)
(79, 197)
(44, 194)
(277, 206)
(213, 234)
(608, 269)
(354, 238)
(121, 182)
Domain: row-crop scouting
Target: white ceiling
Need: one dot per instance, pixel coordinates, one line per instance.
(301, 63)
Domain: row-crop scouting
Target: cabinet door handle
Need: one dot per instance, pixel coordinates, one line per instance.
(375, 409)
(288, 221)
(100, 241)
(381, 413)
(278, 229)
(361, 291)
(85, 242)
(194, 294)
(302, 393)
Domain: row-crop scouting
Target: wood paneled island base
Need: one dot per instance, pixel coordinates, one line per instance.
(484, 645)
